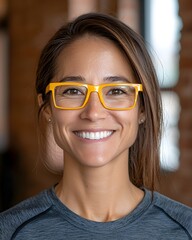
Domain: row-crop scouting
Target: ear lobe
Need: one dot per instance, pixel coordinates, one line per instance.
(46, 110)
(142, 117)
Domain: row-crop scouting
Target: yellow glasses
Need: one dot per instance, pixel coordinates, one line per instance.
(113, 96)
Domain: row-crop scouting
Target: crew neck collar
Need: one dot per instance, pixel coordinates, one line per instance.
(94, 226)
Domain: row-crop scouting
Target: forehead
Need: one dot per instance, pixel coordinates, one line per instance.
(93, 54)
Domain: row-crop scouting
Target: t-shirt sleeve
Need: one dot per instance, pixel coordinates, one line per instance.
(179, 212)
(16, 216)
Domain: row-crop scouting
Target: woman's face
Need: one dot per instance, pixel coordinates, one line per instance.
(94, 136)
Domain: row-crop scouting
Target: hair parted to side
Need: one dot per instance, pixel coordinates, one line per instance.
(144, 154)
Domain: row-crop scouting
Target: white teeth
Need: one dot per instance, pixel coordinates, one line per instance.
(94, 135)
(91, 135)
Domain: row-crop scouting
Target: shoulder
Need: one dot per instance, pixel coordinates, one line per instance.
(179, 212)
(14, 217)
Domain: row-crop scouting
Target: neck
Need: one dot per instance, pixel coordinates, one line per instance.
(100, 194)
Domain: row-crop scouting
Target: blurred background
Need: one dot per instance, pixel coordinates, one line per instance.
(26, 26)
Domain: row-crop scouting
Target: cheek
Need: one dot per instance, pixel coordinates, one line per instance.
(62, 123)
(129, 124)
(128, 118)
(59, 124)
(62, 117)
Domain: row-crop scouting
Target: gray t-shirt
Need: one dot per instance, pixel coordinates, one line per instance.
(45, 217)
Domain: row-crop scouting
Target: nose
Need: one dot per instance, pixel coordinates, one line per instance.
(94, 109)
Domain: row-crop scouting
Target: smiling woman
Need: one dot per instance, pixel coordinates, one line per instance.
(98, 92)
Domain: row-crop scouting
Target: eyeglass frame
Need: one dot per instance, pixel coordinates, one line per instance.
(93, 88)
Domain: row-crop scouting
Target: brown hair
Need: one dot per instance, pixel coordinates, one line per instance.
(144, 154)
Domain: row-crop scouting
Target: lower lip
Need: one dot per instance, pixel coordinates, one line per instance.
(94, 140)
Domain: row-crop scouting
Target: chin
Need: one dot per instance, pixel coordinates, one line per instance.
(94, 161)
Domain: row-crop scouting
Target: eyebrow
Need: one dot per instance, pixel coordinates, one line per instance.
(72, 79)
(106, 79)
(116, 79)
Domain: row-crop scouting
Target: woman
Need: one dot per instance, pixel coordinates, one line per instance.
(98, 91)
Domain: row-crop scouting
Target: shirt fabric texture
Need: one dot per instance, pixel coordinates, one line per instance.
(45, 217)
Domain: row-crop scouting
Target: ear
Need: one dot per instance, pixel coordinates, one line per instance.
(46, 110)
(142, 116)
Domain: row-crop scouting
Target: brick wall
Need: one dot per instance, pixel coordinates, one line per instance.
(178, 185)
(31, 25)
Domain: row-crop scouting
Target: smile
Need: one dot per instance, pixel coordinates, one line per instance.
(94, 135)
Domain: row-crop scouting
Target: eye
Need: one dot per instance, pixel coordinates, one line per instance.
(116, 91)
(72, 91)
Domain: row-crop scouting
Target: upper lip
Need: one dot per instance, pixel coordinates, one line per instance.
(94, 130)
